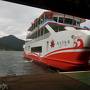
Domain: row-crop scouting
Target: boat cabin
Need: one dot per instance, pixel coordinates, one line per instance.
(57, 17)
(59, 22)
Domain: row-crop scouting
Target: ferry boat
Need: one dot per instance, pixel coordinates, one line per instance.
(57, 40)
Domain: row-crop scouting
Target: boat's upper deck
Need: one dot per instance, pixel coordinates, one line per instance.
(57, 17)
(51, 22)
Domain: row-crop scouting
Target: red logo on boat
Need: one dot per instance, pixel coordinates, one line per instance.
(52, 44)
(78, 42)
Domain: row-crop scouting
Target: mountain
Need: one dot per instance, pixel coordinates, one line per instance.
(11, 43)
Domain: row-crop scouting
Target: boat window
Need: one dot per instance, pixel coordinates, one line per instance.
(36, 49)
(36, 24)
(57, 27)
(38, 33)
(74, 22)
(60, 20)
(45, 30)
(46, 17)
(35, 35)
(61, 28)
(68, 21)
(31, 37)
(78, 23)
(38, 21)
(41, 31)
(55, 18)
(32, 27)
(41, 20)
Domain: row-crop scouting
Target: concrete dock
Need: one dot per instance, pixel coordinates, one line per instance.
(55, 81)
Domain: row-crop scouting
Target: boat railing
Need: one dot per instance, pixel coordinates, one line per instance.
(43, 23)
(40, 38)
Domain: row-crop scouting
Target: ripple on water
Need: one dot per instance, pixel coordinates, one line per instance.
(13, 63)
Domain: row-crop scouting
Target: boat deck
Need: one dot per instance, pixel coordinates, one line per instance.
(57, 81)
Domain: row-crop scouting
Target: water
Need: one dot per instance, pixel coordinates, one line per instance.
(13, 63)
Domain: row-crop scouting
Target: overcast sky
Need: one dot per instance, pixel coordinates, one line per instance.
(15, 19)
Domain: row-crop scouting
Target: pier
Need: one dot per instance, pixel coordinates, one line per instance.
(55, 81)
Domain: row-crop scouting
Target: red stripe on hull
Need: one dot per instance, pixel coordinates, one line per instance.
(68, 60)
(67, 49)
(65, 61)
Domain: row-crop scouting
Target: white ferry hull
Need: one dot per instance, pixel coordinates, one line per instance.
(72, 56)
(58, 41)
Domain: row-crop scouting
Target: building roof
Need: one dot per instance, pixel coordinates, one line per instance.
(78, 8)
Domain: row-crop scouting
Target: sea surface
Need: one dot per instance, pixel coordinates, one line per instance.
(13, 63)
